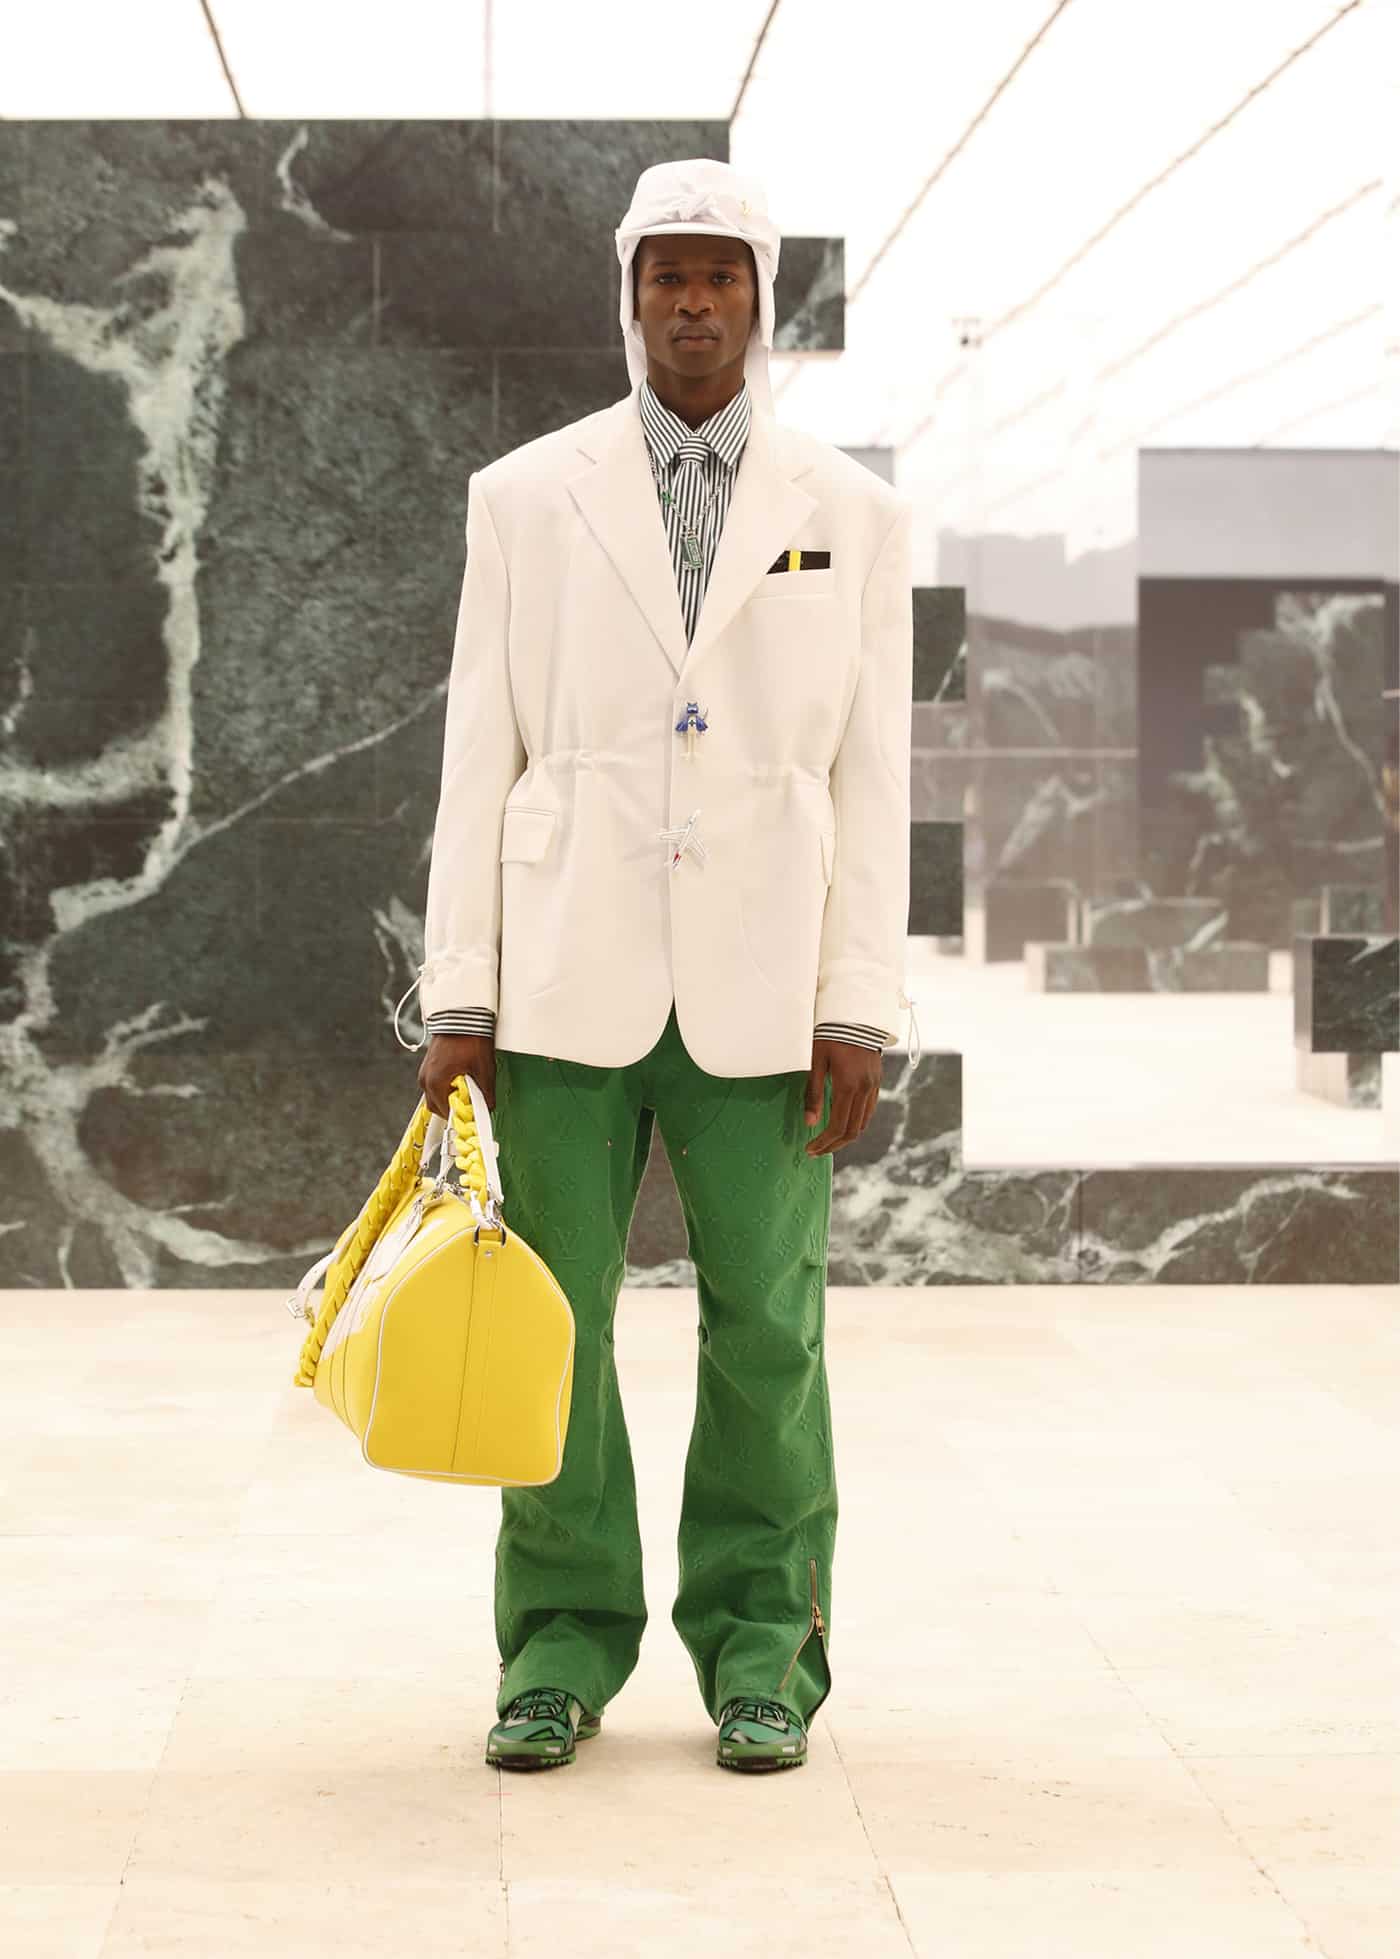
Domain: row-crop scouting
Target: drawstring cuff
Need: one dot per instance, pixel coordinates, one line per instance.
(412, 1046)
(915, 1050)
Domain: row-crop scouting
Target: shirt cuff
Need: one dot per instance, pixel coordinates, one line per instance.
(461, 1020)
(851, 1030)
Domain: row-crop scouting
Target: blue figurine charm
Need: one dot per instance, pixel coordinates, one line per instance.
(691, 721)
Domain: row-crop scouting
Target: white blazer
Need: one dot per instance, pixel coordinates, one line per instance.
(552, 897)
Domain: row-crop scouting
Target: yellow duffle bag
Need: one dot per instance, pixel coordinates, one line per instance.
(441, 1338)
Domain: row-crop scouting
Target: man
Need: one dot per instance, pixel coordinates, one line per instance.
(670, 883)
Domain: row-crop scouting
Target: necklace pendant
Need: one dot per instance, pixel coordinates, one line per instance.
(690, 544)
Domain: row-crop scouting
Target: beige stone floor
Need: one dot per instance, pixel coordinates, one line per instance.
(1114, 1638)
(1131, 1078)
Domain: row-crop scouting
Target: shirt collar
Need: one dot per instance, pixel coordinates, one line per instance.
(726, 431)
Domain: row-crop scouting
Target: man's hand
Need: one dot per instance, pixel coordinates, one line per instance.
(450, 1055)
(856, 1073)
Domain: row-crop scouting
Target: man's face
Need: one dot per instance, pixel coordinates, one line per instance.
(695, 298)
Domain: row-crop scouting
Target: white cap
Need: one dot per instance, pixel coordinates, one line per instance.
(701, 194)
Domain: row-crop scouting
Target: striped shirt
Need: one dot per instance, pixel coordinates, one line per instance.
(697, 467)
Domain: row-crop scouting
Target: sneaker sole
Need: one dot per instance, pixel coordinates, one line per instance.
(755, 1765)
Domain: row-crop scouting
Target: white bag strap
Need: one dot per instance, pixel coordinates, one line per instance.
(296, 1302)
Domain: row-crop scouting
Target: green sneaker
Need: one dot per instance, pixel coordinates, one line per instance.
(538, 1730)
(760, 1734)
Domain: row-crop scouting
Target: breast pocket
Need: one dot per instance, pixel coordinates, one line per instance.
(788, 585)
(525, 834)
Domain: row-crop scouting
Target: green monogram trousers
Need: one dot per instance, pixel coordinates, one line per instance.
(758, 1512)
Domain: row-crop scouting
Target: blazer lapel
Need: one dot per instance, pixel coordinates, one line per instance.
(617, 499)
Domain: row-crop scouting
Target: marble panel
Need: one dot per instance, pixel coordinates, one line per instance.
(1301, 970)
(1352, 1081)
(163, 1163)
(1116, 888)
(1154, 922)
(1232, 966)
(935, 878)
(12, 418)
(1035, 687)
(943, 778)
(1015, 911)
(14, 333)
(1228, 967)
(1231, 1224)
(1263, 786)
(1346, 995)
(1053, 815)
(1055, 968)
(537, 391)
(941, 765)
(1349, 909)
(940, 644)
(809, 296)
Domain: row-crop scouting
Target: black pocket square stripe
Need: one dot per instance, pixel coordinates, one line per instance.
(801, 561)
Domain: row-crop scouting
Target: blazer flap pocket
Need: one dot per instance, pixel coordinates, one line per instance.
(525, 834)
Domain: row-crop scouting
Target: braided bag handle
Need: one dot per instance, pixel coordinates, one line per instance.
(468, 1154)
(398, 1179)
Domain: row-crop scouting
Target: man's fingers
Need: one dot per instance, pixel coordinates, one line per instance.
(838, 1130)
(851, 1110)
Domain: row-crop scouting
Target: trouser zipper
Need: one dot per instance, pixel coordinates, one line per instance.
(815, 1625)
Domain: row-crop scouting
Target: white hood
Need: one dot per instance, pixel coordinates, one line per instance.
(701, 194)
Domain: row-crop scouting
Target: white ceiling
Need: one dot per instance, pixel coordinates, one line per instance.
(1177, 220)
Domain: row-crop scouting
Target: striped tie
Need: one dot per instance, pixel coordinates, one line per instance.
(694, 450)
(692, 500)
